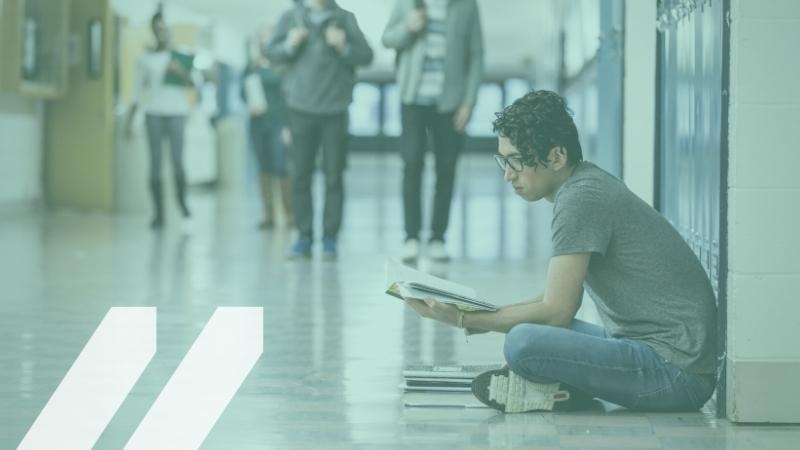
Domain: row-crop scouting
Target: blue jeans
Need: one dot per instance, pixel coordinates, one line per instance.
(266, 137)
(592, 365)
(159, 127)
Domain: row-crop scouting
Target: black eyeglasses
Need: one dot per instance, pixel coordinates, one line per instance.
(514, 161)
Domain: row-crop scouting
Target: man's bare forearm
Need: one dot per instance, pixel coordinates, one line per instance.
(536, 299)
(505, 318)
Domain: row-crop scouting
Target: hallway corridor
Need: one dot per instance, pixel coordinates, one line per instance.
(334, 344)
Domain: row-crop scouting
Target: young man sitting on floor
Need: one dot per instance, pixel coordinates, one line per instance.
(657, 349)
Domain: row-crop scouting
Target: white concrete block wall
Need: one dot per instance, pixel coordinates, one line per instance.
(764, 213)
(21, 128)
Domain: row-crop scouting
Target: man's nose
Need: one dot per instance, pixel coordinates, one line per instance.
(509, 173)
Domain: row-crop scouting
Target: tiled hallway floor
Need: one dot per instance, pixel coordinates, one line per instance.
(334, 344)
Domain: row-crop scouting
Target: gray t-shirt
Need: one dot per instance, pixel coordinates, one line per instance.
(647, 283)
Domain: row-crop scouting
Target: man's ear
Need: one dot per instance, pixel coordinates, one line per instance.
(558, 158)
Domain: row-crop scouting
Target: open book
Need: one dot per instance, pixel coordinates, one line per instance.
(406, 283)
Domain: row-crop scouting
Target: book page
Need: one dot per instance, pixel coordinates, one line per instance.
(409, 292)
(396, 272)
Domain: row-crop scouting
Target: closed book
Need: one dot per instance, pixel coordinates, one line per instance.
(441, 399)
(186, 62)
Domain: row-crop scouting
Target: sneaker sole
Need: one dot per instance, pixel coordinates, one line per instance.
(508, 392)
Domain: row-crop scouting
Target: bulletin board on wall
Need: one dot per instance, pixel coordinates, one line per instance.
(34, 47)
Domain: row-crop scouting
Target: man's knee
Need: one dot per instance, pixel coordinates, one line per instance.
(413, 164)
(527, 341)
(518, 341)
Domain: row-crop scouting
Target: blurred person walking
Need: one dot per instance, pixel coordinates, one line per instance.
(269, 132)
(321, 44)
(161, 81)
(439, 46)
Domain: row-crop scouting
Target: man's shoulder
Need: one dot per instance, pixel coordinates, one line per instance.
(291, 14)
(586, 177)
(589, 184)
(344, 15)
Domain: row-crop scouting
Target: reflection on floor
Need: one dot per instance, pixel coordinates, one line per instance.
(334, 344)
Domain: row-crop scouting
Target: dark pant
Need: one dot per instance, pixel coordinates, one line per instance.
(591, 364)
(172, 128)
(418, 121)
(309, 133)
(268, 146)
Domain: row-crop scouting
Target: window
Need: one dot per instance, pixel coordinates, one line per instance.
(365, 110)
(490, 101)
(516, 88)
(392, 126)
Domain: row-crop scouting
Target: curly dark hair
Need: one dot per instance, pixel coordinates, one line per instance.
(537, 122)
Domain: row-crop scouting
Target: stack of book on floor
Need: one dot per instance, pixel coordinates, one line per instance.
(441, 385)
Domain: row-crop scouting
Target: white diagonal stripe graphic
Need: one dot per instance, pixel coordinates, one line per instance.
(97, 383)
(204, 382)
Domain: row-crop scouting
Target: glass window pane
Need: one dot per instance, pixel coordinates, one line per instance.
(516, 88)
(391, 110)
(490, 101)
(364, 111)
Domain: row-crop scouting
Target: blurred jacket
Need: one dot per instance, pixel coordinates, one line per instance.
(463, 70)
(319, 79)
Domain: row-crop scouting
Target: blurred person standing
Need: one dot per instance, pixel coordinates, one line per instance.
(321, 44)
(269, 132)
(160, 85)
(439, 46)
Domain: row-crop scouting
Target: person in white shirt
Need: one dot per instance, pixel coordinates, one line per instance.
(160, 87)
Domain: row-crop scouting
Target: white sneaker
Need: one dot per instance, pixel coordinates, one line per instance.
(506, 391)
(410, 250)
(437, 252)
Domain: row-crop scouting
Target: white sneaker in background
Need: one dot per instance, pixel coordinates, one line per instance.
(410, 251)
(437, 252)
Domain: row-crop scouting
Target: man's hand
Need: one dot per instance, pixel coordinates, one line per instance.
(432, 309)
(296, 37)
(461, 117)
(417, 19)
(336, 38)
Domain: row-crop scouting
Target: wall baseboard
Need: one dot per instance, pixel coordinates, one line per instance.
(17, 208)
(763, 391)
